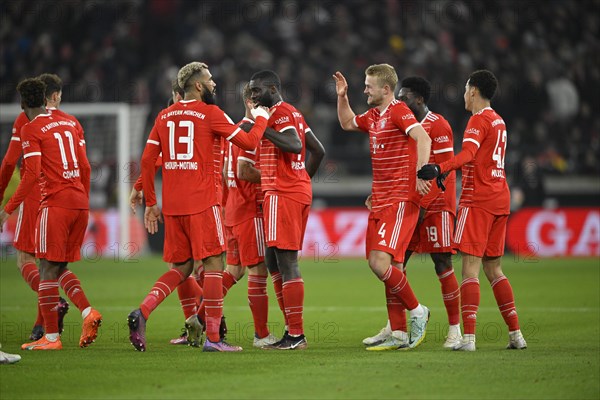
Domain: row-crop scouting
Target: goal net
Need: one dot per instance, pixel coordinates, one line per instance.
(114, 135)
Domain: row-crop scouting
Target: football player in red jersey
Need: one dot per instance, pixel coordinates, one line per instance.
(399, 146)
(483, 208)
(55, 150)
(189, 291)
(189, 134)
(436, 223)
(285, 182)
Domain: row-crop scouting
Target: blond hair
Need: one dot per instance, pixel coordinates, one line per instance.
(385, 74)
(246, 92)
(189, 70)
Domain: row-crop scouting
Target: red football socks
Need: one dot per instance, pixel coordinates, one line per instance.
(161, 289)
(189, 293)
(451, 295)
(71, 285)
(469, 299)
(396, 311)
(213, 302)
(395, 281)
(48, 301)
(31, 275)
(278, 286)
(258, 299)
(293, 298)
(228, 282)
(506, 302)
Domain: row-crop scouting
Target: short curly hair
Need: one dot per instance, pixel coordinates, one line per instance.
(53, 83)
(485, 81)
(189, 70)
(33, 92)
(418, 85)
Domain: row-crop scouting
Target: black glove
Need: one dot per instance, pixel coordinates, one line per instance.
(429, 172)
(440, 181)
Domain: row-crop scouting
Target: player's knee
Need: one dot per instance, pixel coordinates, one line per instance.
(379, 262)
(237, 271)
(442, 262)
(259, 269)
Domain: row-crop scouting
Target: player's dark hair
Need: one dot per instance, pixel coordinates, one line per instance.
(418, 85)
(176, 88)
(32, 92)
(53, 83)
(267, 77)
(485, 81)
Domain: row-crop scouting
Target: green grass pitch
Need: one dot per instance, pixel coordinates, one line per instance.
(557, 300)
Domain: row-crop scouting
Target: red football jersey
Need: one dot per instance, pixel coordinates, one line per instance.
(442, 149)
(245, 199)
(13, 153)
(393, 154)
(282, 172)
(55, 140)
(483, 177)
(189, 135)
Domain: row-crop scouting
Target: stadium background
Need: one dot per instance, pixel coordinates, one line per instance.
(544, 54)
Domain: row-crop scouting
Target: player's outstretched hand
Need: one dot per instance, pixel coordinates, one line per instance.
(135, 198)
(3, 217)
(341, 86)
(429, 172)
(423, 187)
(152, 217)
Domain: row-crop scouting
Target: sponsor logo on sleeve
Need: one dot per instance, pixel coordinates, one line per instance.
(282, 120)
(472, 131)
(441, 139)
(408, 116)
(25, 144)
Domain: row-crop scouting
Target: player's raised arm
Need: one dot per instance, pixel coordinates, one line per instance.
(317, 152)
(222, 125)
(344, 111)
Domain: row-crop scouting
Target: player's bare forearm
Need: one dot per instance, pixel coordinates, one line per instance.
(344, 111)
(247, 172)
(345, 114)
(423, 145)
(317, 153)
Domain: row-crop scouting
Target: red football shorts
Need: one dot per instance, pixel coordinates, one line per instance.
(390, 229)
(194, 236)
(24, 239)
(59, 233)
(246, 243)
(434, 233)
(480, 233)
(285, 222)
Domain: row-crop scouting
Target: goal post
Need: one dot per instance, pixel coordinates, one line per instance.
(114, 139)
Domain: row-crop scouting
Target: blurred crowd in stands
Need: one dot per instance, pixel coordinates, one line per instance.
(545, 55)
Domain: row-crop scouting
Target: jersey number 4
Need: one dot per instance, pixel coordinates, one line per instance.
(186, 139)
(500, 149)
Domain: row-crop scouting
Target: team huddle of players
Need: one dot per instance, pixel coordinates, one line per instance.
(245, 189)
